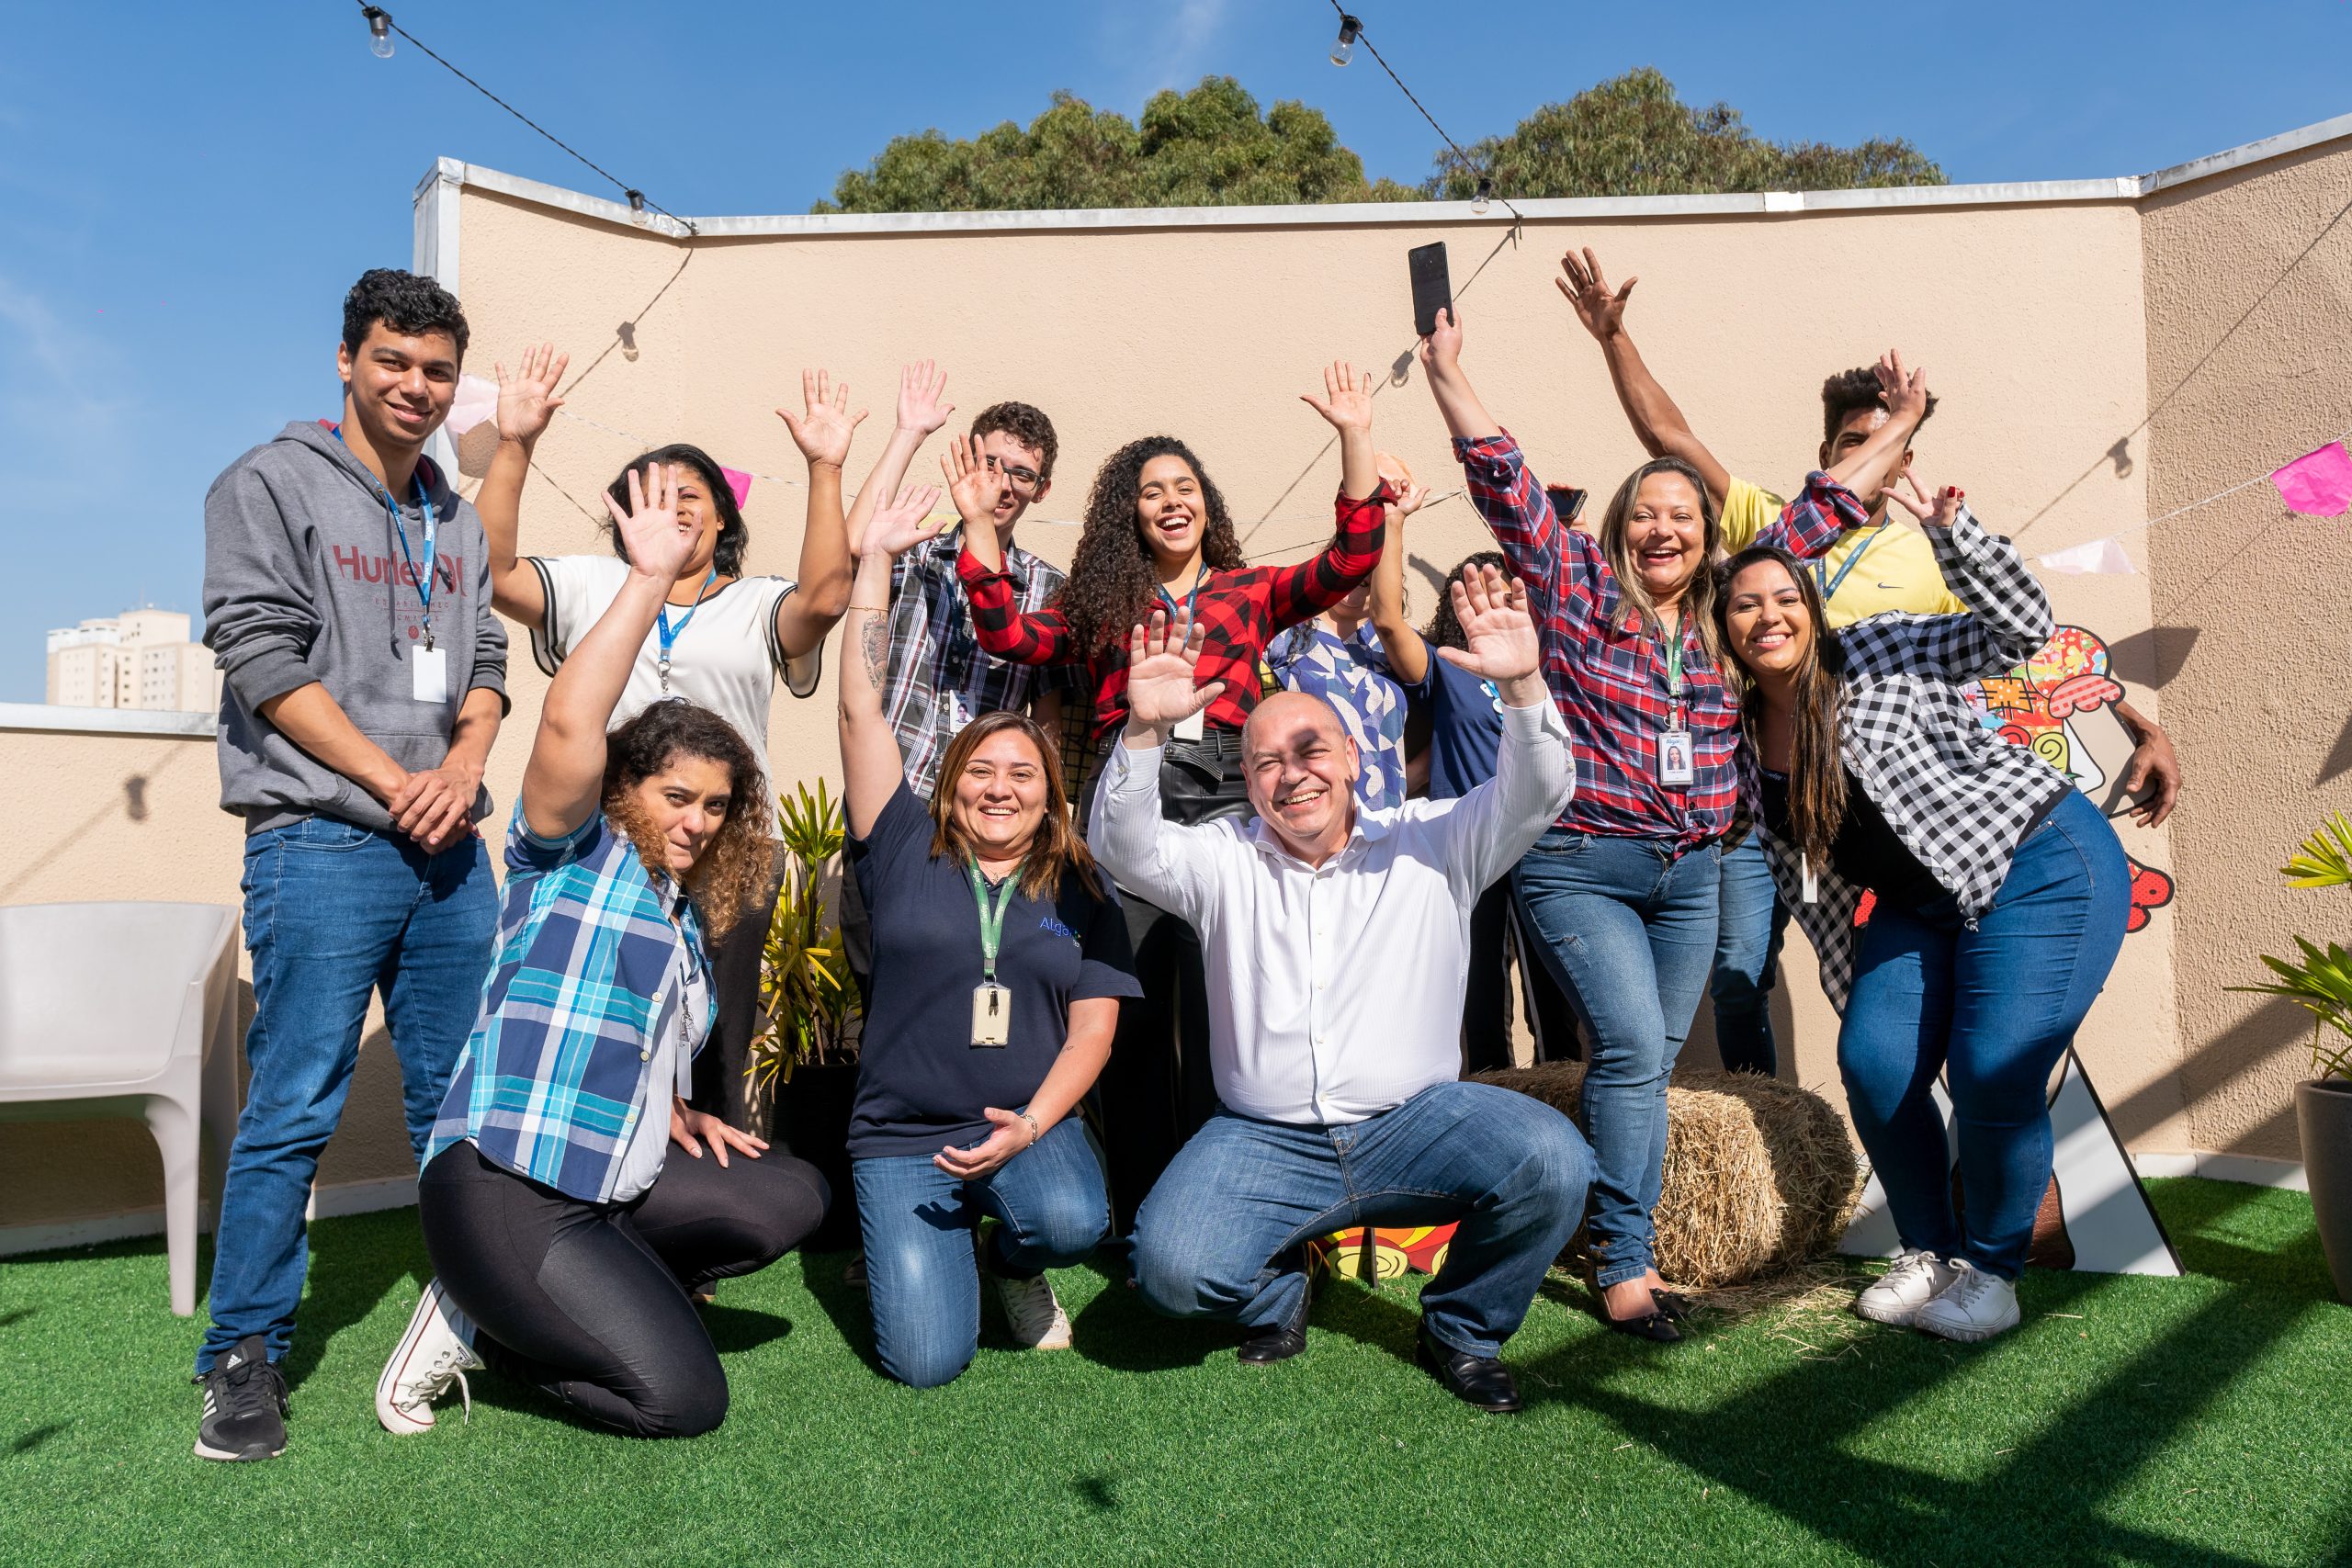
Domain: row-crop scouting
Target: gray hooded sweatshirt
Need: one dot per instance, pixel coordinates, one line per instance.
(304, 580)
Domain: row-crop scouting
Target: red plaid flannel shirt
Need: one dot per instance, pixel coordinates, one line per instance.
(1240, 612)
(1609, 674)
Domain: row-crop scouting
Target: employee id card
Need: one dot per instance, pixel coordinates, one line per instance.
(991, 1014)
(1674, 764)
(1193, 728)
(429, 673)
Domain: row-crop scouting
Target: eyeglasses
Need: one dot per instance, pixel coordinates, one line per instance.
(1023, 479)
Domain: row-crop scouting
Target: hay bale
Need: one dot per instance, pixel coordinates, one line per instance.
(1760, 1175)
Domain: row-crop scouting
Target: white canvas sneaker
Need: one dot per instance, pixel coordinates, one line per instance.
(1914, 1279)
(436, 1351)
(1033, 1313)
(1975, 1305)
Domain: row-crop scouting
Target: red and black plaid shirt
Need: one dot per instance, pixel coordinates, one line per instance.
(1240, 613)
(1608, 674)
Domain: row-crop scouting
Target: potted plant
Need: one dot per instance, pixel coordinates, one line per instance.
(803, 1060)
(2320, 979)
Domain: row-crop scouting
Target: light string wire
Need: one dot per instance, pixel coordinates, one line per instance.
(1463, 158)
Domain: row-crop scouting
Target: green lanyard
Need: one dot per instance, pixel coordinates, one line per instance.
(991, 913)
(1674, 673)
(1829, 586)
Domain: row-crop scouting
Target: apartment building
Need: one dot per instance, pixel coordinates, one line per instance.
(141, 659)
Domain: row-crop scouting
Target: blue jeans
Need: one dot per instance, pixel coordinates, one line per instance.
(1630, 926)
(1994, 1002)
(1221, 1234)
(1747, 946)
(918, 1222)
(333, 913)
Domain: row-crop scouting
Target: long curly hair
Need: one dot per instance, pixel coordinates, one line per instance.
(1444, 629)
(1112, 579)
(1817, 769)
(736, 866)
(1056, 847)
(1699, 599)
(733, 533)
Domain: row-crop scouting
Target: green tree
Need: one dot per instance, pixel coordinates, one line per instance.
(1633, 136)
(1209, 147)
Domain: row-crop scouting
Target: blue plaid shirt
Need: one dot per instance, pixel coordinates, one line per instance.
(554, 1078)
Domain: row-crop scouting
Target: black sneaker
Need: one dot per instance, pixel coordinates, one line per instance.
(244, 1405)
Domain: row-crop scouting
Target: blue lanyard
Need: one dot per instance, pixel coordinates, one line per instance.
(1829, 586)
(431, 526)
(669, 633)
(1195, 592)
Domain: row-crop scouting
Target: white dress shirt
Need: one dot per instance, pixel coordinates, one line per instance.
(1335, 992)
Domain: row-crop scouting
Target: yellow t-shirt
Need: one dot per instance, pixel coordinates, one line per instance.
(1896, 569)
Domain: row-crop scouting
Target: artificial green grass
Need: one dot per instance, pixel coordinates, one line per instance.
(2193, 1421)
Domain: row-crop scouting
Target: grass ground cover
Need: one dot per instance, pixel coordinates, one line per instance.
(2193, 1421)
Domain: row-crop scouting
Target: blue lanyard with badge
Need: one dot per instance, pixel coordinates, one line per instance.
(428, 665)
(1676, 769)
(1196, 727)
(670, 635)
(1829, 586)
(991, 1003)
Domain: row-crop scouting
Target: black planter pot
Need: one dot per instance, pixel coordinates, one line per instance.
(812, 1122)
(2324, 1115)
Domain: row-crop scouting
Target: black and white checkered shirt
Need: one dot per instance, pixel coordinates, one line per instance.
(1957, 795)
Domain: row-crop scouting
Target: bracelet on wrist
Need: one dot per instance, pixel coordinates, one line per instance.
(1035, 1131)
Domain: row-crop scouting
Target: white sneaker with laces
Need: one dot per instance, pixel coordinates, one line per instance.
(1914, 1279)
(1034, 1312)
(436, 1351)
(1975, 1305)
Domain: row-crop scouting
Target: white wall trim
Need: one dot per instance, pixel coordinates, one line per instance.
(64, 721)
(2253, 1169)
(326, 1204)
(435, 207)
(2280, 146)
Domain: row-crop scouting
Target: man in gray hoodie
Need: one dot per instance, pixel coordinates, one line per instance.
(346, 597)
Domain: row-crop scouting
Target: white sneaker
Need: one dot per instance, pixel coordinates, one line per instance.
(437, 1350)
(1033, 1313)
(1975, 1305)
(1916, 1278)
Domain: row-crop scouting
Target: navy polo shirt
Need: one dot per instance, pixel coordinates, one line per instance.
(1466, 726)
(921, 1084)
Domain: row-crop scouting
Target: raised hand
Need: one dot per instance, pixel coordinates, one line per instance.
(1441, 351)
(972, 484)
(1602, 312)
(1346, 399)
(1492, 608)
(657, 544)
(1416, 496)
(1936, 513)
(1903, 391)
(900, 524)
(528, 400)
(1162, 661)
(823, 429)
(920, 388)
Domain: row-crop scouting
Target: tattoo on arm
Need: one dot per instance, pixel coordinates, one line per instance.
(876, 644)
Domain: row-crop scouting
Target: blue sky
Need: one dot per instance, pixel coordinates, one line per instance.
(188, 189)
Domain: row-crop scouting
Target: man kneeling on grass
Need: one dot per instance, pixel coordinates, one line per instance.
(1336, 939)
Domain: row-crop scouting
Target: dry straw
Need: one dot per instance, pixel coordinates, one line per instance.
(1760, 1175)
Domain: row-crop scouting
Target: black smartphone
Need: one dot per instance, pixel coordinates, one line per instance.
(1432, 291)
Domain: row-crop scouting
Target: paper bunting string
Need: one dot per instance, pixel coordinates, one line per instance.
(477, 399)
(2100, 557)
(2319, 484)
(740, 482)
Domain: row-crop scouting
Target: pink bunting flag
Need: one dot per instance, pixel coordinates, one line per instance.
(740, 482)
(477, 399)
(2319, 483)
(2103, 557)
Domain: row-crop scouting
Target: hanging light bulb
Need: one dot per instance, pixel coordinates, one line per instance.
(1348, 30)
(1486, 194)
(379, 31)
(637, 213)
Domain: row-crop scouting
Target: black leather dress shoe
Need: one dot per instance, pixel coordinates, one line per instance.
(1264, 1347)
(1475, 1380)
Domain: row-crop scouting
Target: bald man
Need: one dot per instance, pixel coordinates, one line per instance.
(1337, 938)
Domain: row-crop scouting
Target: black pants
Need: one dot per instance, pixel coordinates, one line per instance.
(1499, 937)
(589, 1301)
(720, 1087)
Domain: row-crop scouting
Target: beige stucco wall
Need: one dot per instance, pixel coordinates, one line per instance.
(2031, 319)
(2249, 310)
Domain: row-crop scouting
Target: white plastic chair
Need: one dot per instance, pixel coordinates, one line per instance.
(126, 1009)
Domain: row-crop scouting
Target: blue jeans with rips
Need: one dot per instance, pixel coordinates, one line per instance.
(334, 914)
(1223, 1231)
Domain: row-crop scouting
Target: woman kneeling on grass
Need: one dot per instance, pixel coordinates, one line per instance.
(2000, 894)
(566, 1245)
(983, 1033)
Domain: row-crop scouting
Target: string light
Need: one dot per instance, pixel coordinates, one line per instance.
(1348, 29)
(1486, 194)
(379, 31)
(637, 213)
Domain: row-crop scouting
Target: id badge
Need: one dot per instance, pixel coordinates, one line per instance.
(991, 1014)
(429, 673)
(1674, 764)
(1194, 727)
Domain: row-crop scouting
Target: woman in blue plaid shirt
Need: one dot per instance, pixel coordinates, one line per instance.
(568, 1244)
(1999, 895)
